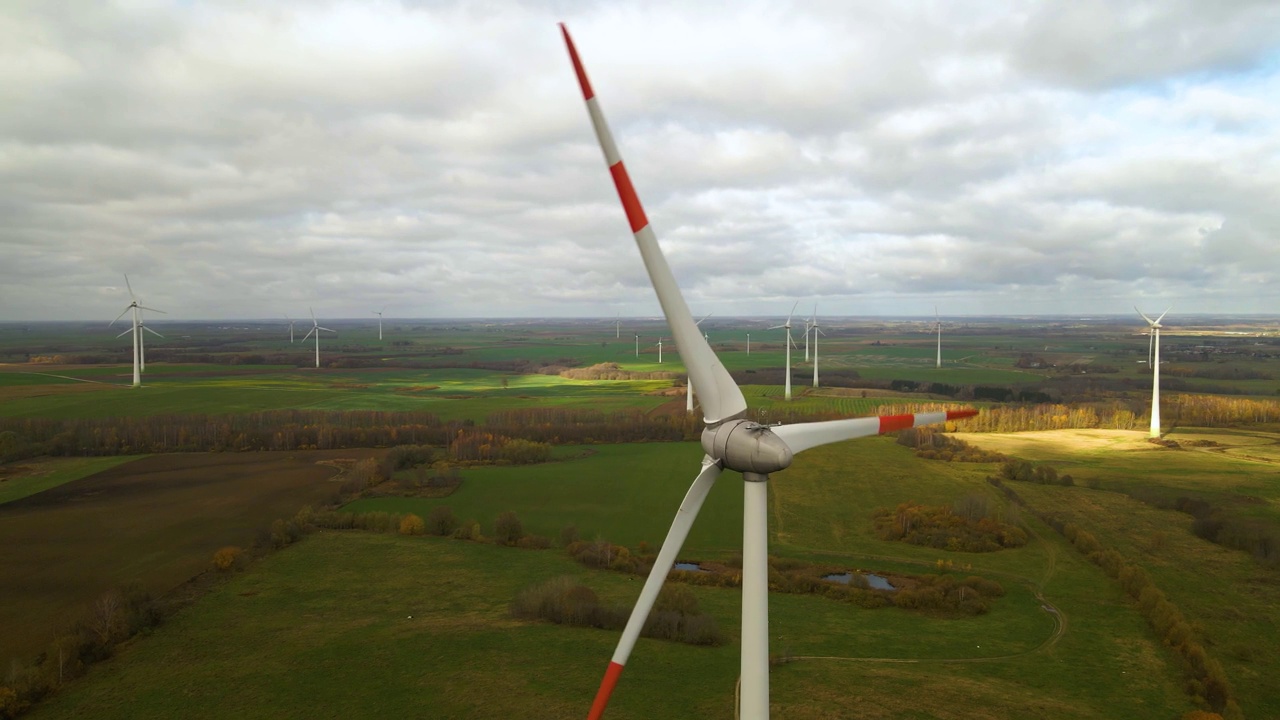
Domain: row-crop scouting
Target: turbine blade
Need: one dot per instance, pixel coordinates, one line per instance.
(318, 327)
(126, 332)
(720, 395)
(1144, 317)
(122, 314)
(802, 436)
(153, 332)
(313, 315)
(304, 337)
(1166, 312)
(793, 311)
(126, 284)
(143, 307)
(685, 516)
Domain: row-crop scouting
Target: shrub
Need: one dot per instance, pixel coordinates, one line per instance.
(227, 558)
(508, 529)
(412, 525)
(441, 521)
(568, 535)
(534, 542)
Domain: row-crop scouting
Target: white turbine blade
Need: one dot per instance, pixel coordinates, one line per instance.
(143, 307)
(1166, 312)
(793, 311)
(318, 327)
(1144, 317)
(720, 395)
(304, 337)
(802, 436)
(153, 332)
(126, 284)
(685, 516)
(704, 318)
(122, 314)
(126, 332)
(313, 315)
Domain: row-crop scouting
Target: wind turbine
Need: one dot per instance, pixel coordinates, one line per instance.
(807, 327)
(142, 346)
(789, 344)
(617, 327)
(637, 347)
(1155, 368)
(286, 317)
(730, 441)
(379, 314)
(315, 328)
(659, 351)
(816, 330)
(137, 334)
(748, 344)
(938, 320)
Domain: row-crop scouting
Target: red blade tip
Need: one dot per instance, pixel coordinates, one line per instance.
(958, 414)
(587, 92)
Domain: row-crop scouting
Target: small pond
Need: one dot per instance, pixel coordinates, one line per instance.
(689, 567)
(875, 582)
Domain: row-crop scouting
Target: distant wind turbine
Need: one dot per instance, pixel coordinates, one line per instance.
(938, 320)
(137, 334)
(637, 347)
(142, 345)
(807, 327)
(814, 328)
(379, 314)
(1155, 369)
(659, 351)
(748, 344)
(315, 328)
(286, 317)
(788, 344)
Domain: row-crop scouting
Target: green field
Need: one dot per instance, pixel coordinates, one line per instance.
(18, 480)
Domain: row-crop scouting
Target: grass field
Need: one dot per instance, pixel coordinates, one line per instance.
(156, 520)
(1226, 592)
(361, 625)
(18, 480)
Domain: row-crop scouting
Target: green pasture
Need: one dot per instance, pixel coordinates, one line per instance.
(364, 625)
(29, 477)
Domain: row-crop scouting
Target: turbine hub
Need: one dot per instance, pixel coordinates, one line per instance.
(746, 447)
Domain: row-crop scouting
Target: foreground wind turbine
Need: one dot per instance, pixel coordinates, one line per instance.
(938, 321)
(137, 333)
(730, 441)
(1155, 368)
(315, 328)
(789, 344)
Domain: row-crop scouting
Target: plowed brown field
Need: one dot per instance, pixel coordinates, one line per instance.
(156, 521)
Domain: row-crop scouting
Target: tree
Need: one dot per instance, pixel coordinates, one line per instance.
(227, 558)
(412, 525)
(508, 529)
(441, 521)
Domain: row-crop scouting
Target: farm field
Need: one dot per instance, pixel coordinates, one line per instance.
(18, 480)
(155, 520)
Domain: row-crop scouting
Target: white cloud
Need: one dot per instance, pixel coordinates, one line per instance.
(243, 160)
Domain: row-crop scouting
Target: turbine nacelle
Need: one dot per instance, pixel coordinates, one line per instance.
(746, 447)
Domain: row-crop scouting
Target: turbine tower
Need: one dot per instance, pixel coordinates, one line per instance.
(637, 347)
(135, 329)
(788, 345)
(814, 328)
(748, 344)
(286, 317)
(938, 320)
(659, 351)
(807, 327)
(142, 345)
(315, 328)
(379, 314)
(1155, 368)
(730, 441)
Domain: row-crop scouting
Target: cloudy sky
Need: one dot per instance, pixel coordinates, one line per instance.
(244, 159)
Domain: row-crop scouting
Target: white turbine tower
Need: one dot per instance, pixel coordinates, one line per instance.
(659, 351)
(807, 327)
(814, 328)
(136, 330)
(315, 328)
(142, 345)
(730, 441)
(286, 317)
(938, 321)
(637, 347)
(788, 344)
(748, 344)
(379, 314)
(1155, 368)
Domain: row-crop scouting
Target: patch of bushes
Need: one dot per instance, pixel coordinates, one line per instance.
(565, 601)
(412, 525)
(227, 558)
(1023, 471)
(933, 444)
(967, 527)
